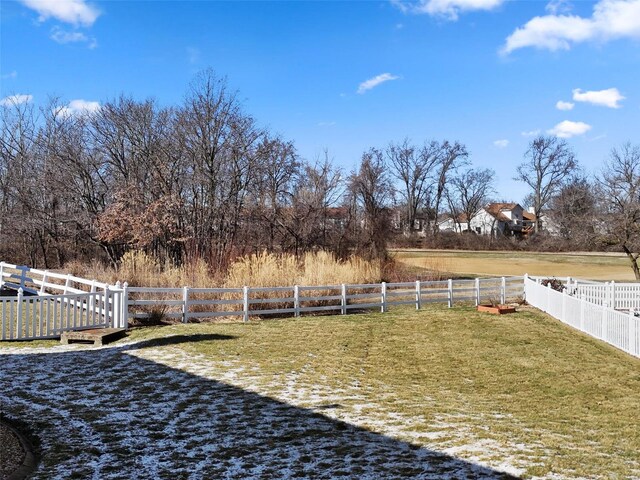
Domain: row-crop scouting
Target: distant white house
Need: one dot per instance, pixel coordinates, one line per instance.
(494, 219)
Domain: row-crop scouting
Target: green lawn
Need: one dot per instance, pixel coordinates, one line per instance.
(521, 393)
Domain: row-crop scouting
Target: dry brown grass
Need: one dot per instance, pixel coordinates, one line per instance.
(588, 265)
(318, 268)
(139, 269)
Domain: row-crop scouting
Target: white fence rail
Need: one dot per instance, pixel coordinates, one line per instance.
(47, 316)
(620, 329)
(39, 282)
(620, 296)
(187, 303)
(44, 304)
(113, 305)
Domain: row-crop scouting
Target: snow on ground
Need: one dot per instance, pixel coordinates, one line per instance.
(143, 411)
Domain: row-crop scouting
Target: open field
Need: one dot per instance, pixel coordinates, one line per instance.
(435, 393)
(587, 265)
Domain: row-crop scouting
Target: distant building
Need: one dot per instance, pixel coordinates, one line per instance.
(508, 219)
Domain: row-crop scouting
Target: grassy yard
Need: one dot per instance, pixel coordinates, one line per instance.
(595, 266)
(437, 393)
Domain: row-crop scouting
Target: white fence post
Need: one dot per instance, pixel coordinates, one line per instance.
(548, 296)
(524, 280)
(418, 295)
(604, 325)
(612, 297)
(383, 297)
(583, 305)
(343, 299)
(296, 300)
(125, 306)
(245, 303)
(633, 334)
(450, 293)
(477, 287)
(66, 284)
(106, 307)
(564, 304)
(23, 276)
(44, 280)
(19, 313)
(503, 291)
(117, 305)
(185, 304)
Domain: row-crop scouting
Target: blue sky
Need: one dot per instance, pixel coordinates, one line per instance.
(349, 75)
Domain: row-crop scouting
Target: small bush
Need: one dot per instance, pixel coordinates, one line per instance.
(555, 284)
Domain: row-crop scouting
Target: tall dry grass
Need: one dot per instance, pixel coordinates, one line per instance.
(315, 268)
(258, 270)
(139, 269)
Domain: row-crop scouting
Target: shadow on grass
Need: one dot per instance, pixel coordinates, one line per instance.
(176, 340)
(107, 413)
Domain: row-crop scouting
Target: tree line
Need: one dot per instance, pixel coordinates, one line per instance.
(203, 179)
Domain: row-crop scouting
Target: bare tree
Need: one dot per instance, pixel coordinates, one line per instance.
(450, 157)
(619, 194)
(372, 190)
(549, 163)
(413, 167)
(573, 211)
(468, 192)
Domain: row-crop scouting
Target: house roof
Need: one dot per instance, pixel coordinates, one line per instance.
(528, 216)
(495, 210)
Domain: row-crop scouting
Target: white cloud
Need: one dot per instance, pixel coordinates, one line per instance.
(501, 143)
(12, 74)
(15, 100)
(611, 19)
(75, 12)
(558, 6)
(326, 124)
(568, 129)
(62, 36)
(449, 9)
(531, 133)
(79, 107)
(375, 81)
(605, 98)
(560, 105)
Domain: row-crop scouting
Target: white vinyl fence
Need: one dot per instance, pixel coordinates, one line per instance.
(39, 304)
(620, 296)
(620, 329)
(187, 303)
(50, 303)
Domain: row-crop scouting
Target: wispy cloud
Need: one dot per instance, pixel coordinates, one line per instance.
(61, 36)
(375, 81)
(610, 97)
(6, 76)
(561, 105)
(449, 9)
(79, 107)
(75, 12)
(326, 124)
(15, 100)
(558, 6)
(568, 129)
(611, 19)
(501, 143)
(530, 133)
(193, 55)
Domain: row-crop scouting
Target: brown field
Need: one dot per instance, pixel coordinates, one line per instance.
(587, 265)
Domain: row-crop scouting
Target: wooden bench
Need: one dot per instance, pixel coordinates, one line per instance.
(98, 336)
